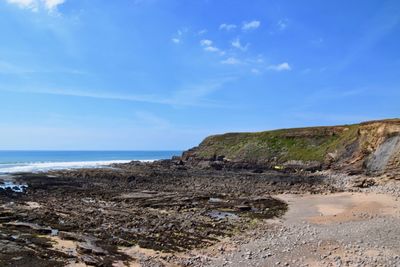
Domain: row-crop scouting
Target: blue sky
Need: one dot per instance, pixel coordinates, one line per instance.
(163, 74)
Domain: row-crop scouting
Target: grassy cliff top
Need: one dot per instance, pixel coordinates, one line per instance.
(278, 146)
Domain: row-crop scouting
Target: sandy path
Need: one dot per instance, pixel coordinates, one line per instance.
(345, 229)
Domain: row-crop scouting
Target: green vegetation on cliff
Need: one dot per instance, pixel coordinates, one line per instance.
(306, 144)
(372, 146)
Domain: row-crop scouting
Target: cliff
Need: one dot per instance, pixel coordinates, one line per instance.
(369, 147)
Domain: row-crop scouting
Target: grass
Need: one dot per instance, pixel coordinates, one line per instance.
(306, 144)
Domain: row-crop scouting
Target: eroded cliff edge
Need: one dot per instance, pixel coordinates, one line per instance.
(371, 148)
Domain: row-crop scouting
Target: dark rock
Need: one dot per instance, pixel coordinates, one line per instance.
(363, 182)
(243, 208)
(90, 248)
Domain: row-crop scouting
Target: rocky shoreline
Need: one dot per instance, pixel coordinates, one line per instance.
(165, 213)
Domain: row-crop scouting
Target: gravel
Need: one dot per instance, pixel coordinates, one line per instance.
(371, 240)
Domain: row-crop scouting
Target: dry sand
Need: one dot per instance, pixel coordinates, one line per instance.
(344, 229)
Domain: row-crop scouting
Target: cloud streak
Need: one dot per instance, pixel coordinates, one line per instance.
(28, 4)
(192, 95)
(208, 46)
(237, 44)
(211, 49)
(227, 27)
(280, 67)
(13, 69)
(252, 25)
(52, 4)
(176, 40)
(206, 42)
(282, 24)
(230, 61)
(36, 5)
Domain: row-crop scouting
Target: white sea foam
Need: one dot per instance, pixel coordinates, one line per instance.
(19, 188)
(47, 166)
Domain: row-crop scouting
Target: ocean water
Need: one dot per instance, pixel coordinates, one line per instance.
(36, 161)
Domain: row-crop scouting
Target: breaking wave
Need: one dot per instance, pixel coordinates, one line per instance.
(47, 166)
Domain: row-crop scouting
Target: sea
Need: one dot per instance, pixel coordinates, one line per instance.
(38, 161)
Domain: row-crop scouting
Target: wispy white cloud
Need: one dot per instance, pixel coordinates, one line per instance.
(208, 46)
(195, 95)
(282, 24)
(206, 42)
(211, 49)
(15, 69)
(260, 59)
(28, 4)
(190, 95)
(35, 5)
(8, 68)
(255, 71)
(201, 32)
(230, 61)
(237, 44)
(52, 4)
(280, 67)
(251, 25)
(176, 40)
(227, 27)
(178, 36)
(306, 71)
(385, 21)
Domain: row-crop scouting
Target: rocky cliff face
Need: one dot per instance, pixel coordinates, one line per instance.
(370, 147)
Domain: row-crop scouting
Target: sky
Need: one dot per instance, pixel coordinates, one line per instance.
(164, 74)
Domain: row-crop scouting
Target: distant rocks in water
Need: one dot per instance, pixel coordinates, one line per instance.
(12, 186)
